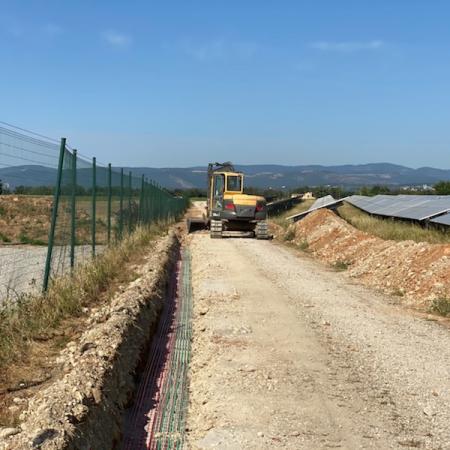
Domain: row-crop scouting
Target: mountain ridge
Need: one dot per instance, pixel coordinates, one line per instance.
(258, 175)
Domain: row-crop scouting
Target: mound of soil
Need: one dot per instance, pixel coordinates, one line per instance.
(419, 272)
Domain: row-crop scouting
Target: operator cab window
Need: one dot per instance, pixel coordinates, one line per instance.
(234, 183)
(219, 185)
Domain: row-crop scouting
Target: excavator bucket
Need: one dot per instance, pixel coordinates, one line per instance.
(196, 224)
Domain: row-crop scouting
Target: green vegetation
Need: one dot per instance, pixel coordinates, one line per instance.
(34, 317)
(398, 292)
(442, 188)
(303, 245)
(391, 229)
(25, 239)
(4, 238)
(34, 190)
(340, 265)
(441, 306)
(192, 193)
(371, 191)
(289, 235)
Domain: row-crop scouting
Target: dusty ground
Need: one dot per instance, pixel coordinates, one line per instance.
(22, 266)
(288, 353)
(24, 228)
(25, 219)
(417, 273)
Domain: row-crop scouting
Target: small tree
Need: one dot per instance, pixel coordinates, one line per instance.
(1, 187)
(371, 191)
(442, 188)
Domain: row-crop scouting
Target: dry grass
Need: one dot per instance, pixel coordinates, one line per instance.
(24, 219)
(34, 318)
(281, 218)
(391, 229)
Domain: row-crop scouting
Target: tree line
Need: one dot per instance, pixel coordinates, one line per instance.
(65, 190)
(440, 188)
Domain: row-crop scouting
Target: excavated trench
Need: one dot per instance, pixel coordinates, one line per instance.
(156, 417)
(125, 380)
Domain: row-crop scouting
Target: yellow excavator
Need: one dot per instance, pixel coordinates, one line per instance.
(229, 212)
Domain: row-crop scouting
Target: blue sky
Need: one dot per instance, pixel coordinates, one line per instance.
(179, 83)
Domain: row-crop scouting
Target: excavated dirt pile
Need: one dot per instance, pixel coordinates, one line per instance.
(417, 272)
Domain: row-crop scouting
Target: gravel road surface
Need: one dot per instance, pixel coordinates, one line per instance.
(22, 267)
(289, 354)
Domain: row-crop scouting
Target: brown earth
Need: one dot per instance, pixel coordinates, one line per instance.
(417, 272)
(25, 219)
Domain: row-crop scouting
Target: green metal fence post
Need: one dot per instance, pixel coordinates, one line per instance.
(156, 202)
(129, 202)
(121, 206)
(148, 203)
(141, 201)
(161, 208)
(109, 203)
(51, 235)
(73, 208)
(163, 204)
(94, 203)
(152, 201)
(161, 193)
(156, 194)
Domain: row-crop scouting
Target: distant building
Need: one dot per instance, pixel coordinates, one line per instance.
(308, 196)
(418, 188)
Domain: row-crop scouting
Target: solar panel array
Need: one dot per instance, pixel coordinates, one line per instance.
(442, 220)
(323, 202)
(412, 207)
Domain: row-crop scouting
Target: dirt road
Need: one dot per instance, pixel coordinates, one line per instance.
(288, 354)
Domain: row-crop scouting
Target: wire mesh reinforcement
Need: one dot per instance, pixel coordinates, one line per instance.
(157, 418)
(58, 210)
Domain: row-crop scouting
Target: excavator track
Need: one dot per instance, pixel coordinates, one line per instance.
(216, 229)
(261, 230)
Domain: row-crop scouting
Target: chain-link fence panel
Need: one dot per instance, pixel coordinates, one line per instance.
(59, 209)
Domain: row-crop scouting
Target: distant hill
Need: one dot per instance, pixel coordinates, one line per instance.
(261, 176)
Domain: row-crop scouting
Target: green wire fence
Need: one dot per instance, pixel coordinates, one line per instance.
(82, 208)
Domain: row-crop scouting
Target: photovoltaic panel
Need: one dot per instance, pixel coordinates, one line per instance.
(413, 207)
(442, 220)
(323, 202)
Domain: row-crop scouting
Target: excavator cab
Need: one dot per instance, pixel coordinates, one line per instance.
(225, 184)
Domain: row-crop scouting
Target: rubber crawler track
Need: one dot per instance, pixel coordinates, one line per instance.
(157, 418)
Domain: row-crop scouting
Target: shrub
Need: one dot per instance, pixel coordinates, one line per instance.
(289, 235)
(441, 306)
(341, 265)
(303, 245)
